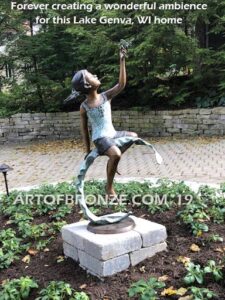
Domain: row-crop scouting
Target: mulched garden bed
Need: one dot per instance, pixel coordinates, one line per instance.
(44, 267)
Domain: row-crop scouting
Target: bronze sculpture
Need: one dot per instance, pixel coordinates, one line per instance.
(97, 109)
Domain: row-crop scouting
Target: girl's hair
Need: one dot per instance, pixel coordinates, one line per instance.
(79, 83)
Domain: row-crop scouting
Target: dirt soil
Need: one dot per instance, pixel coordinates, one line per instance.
(44, 267)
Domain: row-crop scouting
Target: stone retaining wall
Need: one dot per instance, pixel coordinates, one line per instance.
(39, 126)
(51, 126)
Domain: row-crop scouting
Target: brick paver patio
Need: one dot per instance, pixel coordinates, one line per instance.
(195, 159)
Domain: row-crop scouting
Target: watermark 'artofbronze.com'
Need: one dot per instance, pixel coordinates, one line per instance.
(103, 201)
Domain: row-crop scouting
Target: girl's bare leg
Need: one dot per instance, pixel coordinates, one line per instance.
(114, 155)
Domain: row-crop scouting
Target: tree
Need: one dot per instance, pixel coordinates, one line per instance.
(168, 65)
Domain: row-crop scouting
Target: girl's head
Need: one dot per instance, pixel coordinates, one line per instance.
(83, 82)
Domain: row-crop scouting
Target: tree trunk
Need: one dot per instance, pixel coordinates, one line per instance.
(34, 59)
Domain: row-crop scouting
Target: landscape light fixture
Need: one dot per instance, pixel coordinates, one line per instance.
(4, 169)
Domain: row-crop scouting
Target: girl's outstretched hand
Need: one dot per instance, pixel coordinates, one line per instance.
(123, 53)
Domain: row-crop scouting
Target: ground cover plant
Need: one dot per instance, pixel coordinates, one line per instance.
(32, 264)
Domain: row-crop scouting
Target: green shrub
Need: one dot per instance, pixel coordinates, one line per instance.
(146, 290)
(17, 289)
(59, 290)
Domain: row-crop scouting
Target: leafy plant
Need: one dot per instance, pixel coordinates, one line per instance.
(7, 234)
(215, 238)
(209, 205)
(213, 269)
(42, 244)
(22, 215)
(56, 290)
(7, 258)
(95, 210)
(61, 212)
(198, 228)
(217, 212)
(17, 289)
(60, 290)
(10, 247)
(118, 206)
(195, 273)
(55, 227)
(201, 293)
(80, 296)
(33, 231)
(195, 215)
(146, 290)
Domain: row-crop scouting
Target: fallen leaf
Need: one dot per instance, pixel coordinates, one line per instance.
(142, 216)
(199, 233)
(83, 286)
(142, 269)
(32, 252)
(60, 259)
(181, 291)
(186, 298)
(46, 250)
(9, 222)
(195, 248)
(169, 291)
(218, 250)
(163, 278)
(184, 260)
(26, 259)
(221, 250)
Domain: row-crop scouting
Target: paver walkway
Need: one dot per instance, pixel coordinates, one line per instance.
(195, 159)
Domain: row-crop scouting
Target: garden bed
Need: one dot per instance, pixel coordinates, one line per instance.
(184, 242)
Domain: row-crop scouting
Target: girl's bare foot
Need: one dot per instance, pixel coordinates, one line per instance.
(110, 192)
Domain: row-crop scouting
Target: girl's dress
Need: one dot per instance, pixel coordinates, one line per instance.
(104, 136)
(103, 131)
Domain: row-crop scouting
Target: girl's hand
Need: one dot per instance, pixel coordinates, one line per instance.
(123, 53)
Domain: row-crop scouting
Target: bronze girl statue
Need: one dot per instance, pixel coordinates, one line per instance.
(97, 110)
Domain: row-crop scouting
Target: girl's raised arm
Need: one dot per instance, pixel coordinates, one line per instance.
(122, 77)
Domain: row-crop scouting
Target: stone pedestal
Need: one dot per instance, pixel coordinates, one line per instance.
(107, 254)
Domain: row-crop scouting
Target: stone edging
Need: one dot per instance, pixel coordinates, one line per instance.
(53, 126)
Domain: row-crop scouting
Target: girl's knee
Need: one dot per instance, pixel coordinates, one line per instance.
(133, 134)
(116, 155)
(114, 152)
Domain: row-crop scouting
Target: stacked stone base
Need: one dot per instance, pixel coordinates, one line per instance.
(107, 254)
